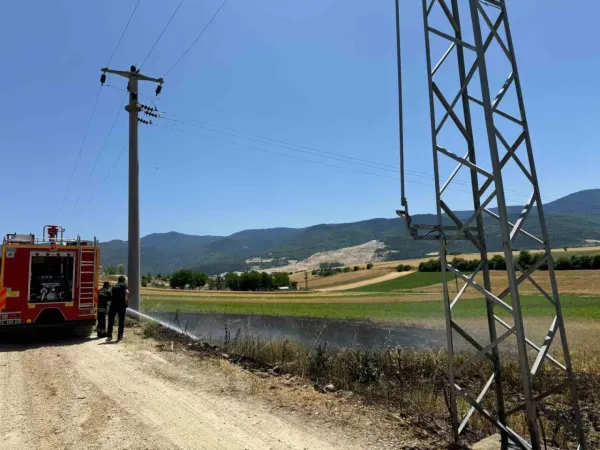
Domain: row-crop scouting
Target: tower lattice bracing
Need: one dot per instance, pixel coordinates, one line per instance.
(482, 145)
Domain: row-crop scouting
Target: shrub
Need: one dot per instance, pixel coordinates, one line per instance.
(408, 268)
(497, 263)
(465, 265)
(400, 268)
(563, 263)
(586, 262)
(369, 266)
(596, 262)
(524, 259)
(356, 268)
(433, 265)
(346, 269)
(151, 329)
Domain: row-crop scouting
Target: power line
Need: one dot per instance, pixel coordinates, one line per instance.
(197, 38)
(287, 143)
(313, 151)
(421, 174)
(359, 161)
(342, 158)
(320, 153)
(293, 157)
(161, 34)
(87, 129)
(123, 33)
(108, 174)
(101, 151)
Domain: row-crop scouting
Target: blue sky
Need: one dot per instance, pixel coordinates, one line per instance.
(318, 73)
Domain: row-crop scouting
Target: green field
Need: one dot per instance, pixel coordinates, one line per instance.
(412, 281)
(579, 307)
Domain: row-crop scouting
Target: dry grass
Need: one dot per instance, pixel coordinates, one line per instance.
(405, 384)
(578, 282)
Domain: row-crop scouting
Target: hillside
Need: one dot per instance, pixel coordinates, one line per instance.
(571, 220)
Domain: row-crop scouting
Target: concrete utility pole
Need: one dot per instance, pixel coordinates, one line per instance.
(133, 108)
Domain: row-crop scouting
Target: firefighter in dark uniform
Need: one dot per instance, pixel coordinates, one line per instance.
(118, 305)
(104, 296)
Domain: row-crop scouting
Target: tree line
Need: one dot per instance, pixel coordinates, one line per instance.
(525, 259)
(247, 281)
(332, 268)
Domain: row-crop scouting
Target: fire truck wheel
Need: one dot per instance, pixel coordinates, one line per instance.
(83, 331)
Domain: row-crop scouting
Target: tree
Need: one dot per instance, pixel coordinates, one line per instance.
(524, 259)
(110, 270)
(212, 284)
(121, 269)
(232, 281)
(266, 282)
(182, 278)
(565, 248)
(250, 281)
(281, 279)
(219, 283)
(563, 263)
(199, 280)
(498, 263)
(433, 265)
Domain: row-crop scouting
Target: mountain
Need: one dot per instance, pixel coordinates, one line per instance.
(582, 202)
(571, 220)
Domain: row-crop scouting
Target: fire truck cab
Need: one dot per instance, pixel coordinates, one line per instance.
(48, 282)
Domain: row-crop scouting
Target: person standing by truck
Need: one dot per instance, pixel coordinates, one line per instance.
(104, 296)
(118, 305)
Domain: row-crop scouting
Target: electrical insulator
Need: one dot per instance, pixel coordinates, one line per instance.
(103, 78)
(158, 89)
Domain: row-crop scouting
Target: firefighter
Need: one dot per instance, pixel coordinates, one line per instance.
(104, 296)
(118, 305)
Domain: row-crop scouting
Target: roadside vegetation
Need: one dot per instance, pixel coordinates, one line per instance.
(408, 383)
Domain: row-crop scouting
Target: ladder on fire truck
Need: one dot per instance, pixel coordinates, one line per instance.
(493, 137)
(87, 282)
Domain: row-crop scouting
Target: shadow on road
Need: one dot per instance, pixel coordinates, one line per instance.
(22, 340)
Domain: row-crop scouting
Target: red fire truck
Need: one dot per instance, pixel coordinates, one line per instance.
(48, 282)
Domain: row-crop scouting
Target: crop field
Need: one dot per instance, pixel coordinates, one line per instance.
(410, 281)
(413, 295)
(317, 282)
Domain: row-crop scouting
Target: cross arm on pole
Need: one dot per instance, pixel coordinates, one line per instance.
(132, 73)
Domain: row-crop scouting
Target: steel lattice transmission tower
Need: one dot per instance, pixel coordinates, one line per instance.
(485, 136)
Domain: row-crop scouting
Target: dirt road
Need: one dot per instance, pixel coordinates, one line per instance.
(359, 284)
(90, 395)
